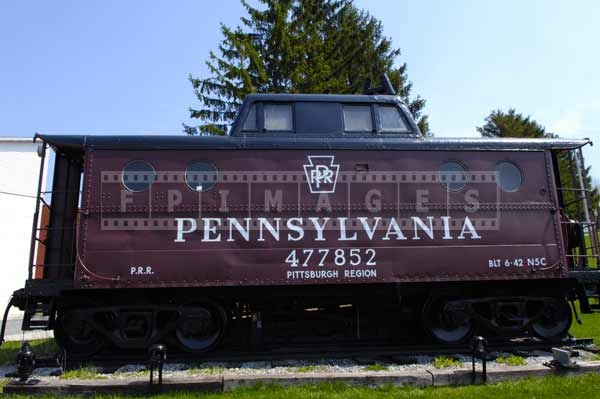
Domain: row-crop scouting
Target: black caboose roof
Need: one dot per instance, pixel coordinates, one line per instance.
(184, 142)
(336, 139)
(336, 98)
(315, 111)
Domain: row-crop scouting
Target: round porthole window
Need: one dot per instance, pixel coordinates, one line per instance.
(453, 175)
(508, 176)
(201, 176)
(137, 176)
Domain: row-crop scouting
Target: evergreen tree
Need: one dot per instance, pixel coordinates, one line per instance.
(512, 124)
(297, 46)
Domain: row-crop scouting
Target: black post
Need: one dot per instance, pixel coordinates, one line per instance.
(257, 332)
(25, 362)
(484, 361)
(479, 346)
(158, 355)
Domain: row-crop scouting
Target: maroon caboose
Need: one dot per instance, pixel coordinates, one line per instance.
(320, 218)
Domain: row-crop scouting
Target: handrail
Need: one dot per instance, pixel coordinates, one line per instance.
(37, 212)
(585, 249)
(3, 327)
(574, 189)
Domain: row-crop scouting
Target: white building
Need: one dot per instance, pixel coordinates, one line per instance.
(19, 173)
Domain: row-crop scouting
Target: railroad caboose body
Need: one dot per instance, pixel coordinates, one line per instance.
(262, 225)
(318, 218)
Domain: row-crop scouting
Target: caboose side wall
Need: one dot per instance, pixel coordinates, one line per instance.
(376, 220)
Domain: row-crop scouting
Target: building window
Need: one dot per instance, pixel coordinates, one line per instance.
(137, 176)
(278, 117)
(250, 123)
(357, 118)
(508, 176)
(453, 175)
(201, 176)
(390, 120)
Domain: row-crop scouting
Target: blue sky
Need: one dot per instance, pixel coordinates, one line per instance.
(121, 66)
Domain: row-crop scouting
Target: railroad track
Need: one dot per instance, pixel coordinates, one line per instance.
(365, 353)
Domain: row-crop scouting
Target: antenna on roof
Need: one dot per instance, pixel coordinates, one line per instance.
(384, 88)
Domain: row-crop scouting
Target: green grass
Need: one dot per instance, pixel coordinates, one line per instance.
(8, 350)
(83, 373)
(581, 387)
(375, 367)
(512, 360)
(588, 244)
(590, 327)
(442, 362)
(554, 387)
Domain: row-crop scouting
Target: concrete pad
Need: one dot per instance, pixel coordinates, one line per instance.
(517, 372)
(463, 376)
(413, 378)
(114, 387)
(227, 382)
(441, 377)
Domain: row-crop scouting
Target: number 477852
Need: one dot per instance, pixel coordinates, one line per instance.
(339, 257)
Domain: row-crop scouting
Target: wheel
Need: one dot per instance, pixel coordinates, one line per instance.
(76, 335)
(200, 327)
(446, 321)
(552, 319)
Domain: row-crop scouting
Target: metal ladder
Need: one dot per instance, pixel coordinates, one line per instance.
(584, 261)
(38, 315)
(36, 298)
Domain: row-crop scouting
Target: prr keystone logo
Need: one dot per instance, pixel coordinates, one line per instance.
(321, 173)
